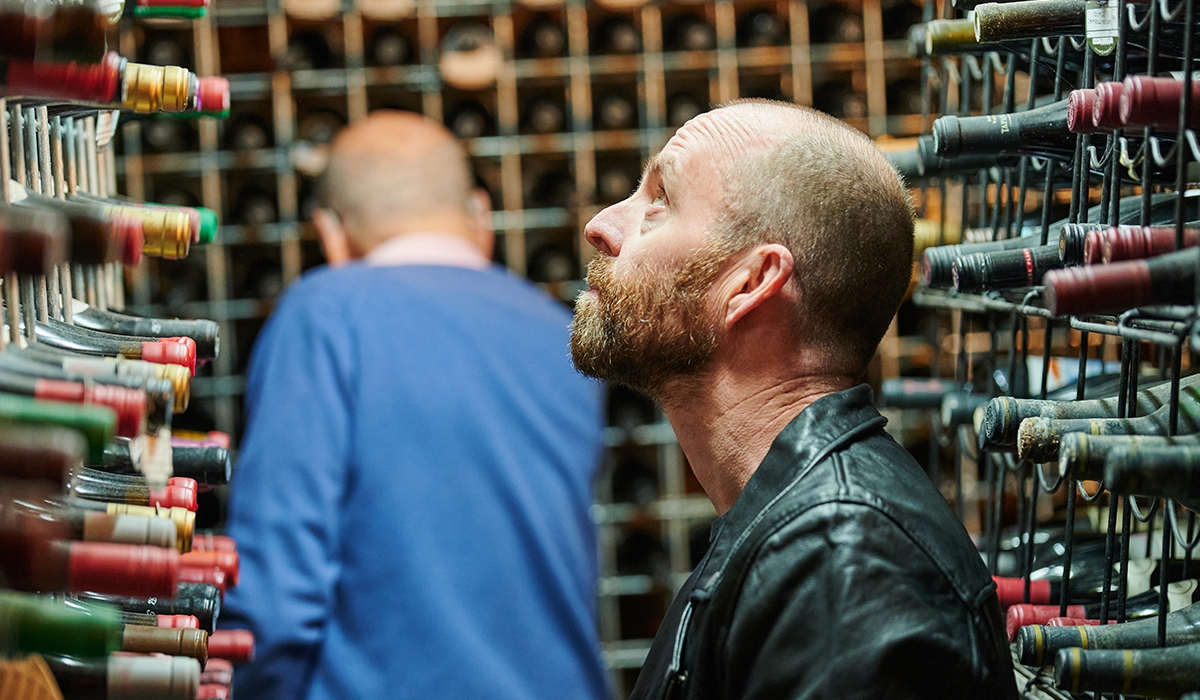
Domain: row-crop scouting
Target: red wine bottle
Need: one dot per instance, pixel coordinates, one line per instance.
(120, 677)
(1094, 289)
(32, 563)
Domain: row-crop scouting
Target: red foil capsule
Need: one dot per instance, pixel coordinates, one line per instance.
(1135, 242)
(236, 646)
(123, 569)
(1011, 591)
(225, 561)
(1080, 105)
(212, 691)
(1021, 615)
(1148, 101)
(213, 543)
(217, 671)
(177, 622)
(86, 82)
(214, 95)
(171, 351)
(1106, 110)
(204, 574)
(175, 495)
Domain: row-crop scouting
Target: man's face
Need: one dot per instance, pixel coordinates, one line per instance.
(646, 318)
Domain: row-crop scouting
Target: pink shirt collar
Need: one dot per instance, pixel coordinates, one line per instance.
(427, 249)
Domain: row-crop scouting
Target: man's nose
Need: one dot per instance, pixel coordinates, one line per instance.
(604, 230)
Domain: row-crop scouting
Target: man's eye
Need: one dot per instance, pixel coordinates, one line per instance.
(660, 198)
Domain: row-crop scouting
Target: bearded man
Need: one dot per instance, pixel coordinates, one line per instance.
(745, 286)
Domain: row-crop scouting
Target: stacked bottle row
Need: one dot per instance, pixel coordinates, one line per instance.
(1074, 240)
(105, 588)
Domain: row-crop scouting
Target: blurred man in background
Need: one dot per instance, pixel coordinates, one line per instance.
(412, 496)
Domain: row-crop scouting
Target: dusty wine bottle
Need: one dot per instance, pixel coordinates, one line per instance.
(1037, 644)
(1082, 455)
(1165, 279)
(1006, 269)
(1040, 132)
(1136, 242)
(1161, 673)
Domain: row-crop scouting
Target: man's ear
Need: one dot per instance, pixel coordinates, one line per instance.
(335, 244)
(480, 209)
(757, 276)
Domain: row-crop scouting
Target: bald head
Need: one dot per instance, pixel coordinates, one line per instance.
(396, 172)
(809, 182)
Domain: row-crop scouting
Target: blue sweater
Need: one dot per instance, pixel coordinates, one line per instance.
(411, 501)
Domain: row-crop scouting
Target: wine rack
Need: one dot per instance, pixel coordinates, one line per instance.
(583, 94)
(1030, 517)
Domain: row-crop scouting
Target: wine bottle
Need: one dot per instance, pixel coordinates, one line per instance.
(207, 542)
(1082, 456)
(166, 233)
(1161, 673)
(543, 38)
(200, 600)
(469, 57)
(616, 35)
(102, 369)
(1005, 269)
(207, 574)
(99, 485)
(838, 99)
(142, 639)
(129, 404)
(469, 120)
(1148, 101)
(166, 50)
(236, 646)
(212, 691)
(217, 672)
(95, 423)
(1136, 242)
(205, 333)
(959, 409)
(551, 263)
(176, 351)
(1005, 414)
(32, 563)
(32, 241)
(1040, 132)
(184, 519)
(92, 526)
(1038, 438)
(36, 624)
(937, 263)
(1106, 109)
(206, 465)
(247, 132)
(904, 95)
(124, 677)
(307, 51)
(93, 237)
(1037, 644)
(47, 31)
(834, 23)
(689, 33)
(44, 453)
(1159, 471)
(615, 111)
(761, 28)
(1081, 107)
(681, 107)
(320, 126)
(544, 116)
(1139, 606)
(1164, 279)
(916, 393)
(388, 47)
(1030, 19)
(225, 562)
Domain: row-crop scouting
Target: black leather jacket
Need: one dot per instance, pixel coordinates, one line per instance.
(840, 572)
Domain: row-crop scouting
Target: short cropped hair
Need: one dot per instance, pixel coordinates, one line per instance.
(826, 193)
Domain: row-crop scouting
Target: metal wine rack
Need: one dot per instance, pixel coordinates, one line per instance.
(650, 535)
(974, 337)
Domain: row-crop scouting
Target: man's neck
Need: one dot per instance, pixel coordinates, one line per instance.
(726, 423)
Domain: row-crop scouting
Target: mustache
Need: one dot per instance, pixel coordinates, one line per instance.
(599, 272)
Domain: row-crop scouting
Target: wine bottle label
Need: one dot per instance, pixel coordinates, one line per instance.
(1102, 22)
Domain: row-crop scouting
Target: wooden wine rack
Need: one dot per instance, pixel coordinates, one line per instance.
(235, 280)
